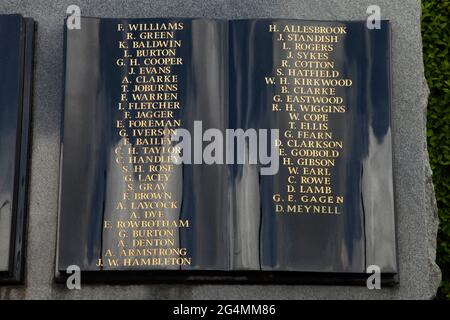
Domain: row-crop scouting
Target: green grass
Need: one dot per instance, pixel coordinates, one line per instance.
(436, 38)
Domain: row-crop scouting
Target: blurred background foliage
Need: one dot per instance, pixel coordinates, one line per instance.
(436, 39)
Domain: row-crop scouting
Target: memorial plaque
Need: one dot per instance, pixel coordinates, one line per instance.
(227, 150)
(16, 48)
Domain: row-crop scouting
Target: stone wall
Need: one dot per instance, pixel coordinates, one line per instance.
(415, 205)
